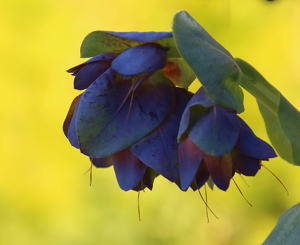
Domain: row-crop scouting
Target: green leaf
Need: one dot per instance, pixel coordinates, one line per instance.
(213, 65)
(287, 230)
(282, 120)
(100, 41)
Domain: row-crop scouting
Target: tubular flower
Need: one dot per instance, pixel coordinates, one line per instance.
(128, 117)
(215, 144)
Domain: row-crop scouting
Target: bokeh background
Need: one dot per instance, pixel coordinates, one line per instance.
(45, 197)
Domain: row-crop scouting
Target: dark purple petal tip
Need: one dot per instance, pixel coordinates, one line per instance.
(250, 145)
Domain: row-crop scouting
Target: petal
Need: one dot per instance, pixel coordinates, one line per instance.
(195, 109)
(201, 176)
(159, 150)
(101, 162)
(245, 165)
(111, 116)
(98, 57)
(220, 169)
(128, 168)
(190, 157)
(250, 145)
(90, 73)
(69, 126)
(143, 58)
(147, 180)
(216, 132)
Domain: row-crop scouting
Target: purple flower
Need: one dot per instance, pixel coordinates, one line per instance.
(129, 114)
(215, 144)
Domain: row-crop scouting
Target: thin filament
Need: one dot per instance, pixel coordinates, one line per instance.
(207, 207)
(139, 211)
(241, 192)
(287, 192)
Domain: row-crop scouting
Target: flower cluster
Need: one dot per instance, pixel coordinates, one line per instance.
(137, 115)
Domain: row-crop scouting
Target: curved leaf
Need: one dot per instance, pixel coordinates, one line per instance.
(69, 123)
(143, 58)
(89, 73)
(159, 150)
(282, 120)
(111, 116)
(245, 165)
(128, 168)
(251, 145)
(190, 157)
(213, 65)
(220, 169)
(107, 41)
(103, 162)
(287, 230)
(194, 110)
(216, 131)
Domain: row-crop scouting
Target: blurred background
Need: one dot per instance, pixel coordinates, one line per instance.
(45, 197)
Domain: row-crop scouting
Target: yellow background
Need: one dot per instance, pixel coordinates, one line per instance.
(45, 197)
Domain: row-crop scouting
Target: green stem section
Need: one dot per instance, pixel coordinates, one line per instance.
(258, 86)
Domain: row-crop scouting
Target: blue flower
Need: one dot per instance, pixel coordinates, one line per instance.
(129, 114)
(215, 144)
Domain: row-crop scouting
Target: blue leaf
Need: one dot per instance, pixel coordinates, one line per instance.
(245, 165)
(103, 162)
(220, 169)
(90, 73)
(190, 157)
(98, 57)
(128, 168)
(69, 123)
(216, 131)
(143, 58)
(195, 109)
(251, 145)
(159, 150)
(111, 116)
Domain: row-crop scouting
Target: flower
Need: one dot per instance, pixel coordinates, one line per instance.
(129, 114)
(215, 144)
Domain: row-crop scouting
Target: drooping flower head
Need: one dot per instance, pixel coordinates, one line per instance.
(129, 114)
(215, 144)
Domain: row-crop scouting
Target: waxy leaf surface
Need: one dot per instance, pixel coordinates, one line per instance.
(281, 118)
(213, 65)
(112, 116)
(287, 230)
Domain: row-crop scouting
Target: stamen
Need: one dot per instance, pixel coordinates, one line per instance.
(241, 192)
(91, 173)
(287, 192)
(139, 211)
(205, 202)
